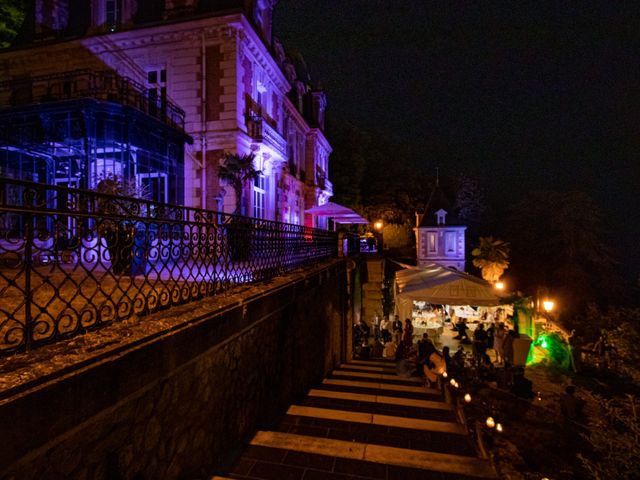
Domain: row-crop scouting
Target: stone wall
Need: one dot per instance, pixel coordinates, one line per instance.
(177, 405)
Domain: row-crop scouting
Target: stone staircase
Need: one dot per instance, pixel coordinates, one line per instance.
(364, 422)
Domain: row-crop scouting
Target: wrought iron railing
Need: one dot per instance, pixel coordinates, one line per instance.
(98, 85)
(75, 260)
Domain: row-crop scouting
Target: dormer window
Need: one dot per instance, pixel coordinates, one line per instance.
(440, 217)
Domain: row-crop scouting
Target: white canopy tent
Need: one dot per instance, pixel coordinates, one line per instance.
(439, 285)
(337, 213)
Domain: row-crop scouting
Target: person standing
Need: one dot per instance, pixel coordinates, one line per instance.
(384, 330)
(498, 342)
(407, 334)
(575, 348)
(491, 332)
(397, 329)
(508, 347)
(480, 341)
(365, 331)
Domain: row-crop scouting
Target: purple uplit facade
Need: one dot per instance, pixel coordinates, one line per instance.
(197, 77)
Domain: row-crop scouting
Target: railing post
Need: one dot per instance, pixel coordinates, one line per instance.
(28, 259)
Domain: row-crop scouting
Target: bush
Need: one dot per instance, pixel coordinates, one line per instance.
(397, 236)
(614, 436)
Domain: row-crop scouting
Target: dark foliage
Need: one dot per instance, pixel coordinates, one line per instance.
(559, 241)
(11, 18)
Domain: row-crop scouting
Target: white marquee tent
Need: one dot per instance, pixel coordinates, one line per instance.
(439, 285)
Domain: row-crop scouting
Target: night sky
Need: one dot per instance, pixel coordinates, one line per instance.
(543, 95)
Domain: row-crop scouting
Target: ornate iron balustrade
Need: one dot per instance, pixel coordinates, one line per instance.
(99, 85)
(74, 260)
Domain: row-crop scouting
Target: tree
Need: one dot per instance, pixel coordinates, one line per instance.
(492, 257)
(376, 175)
(559, 241)
(469, 201)
(11, 18)
(237, 170)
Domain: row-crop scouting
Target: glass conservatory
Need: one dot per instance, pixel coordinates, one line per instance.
(74, 129)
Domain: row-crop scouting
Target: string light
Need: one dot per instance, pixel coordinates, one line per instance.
(499, 427)
(453, 382)
(467, 398)
(444, 375)
(491, 422)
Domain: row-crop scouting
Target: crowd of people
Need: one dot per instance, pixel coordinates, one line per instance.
(474, 363)
(395, 339)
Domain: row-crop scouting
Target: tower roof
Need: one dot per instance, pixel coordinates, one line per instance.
(439, 201)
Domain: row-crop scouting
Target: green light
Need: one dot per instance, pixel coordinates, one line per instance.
(549, 347)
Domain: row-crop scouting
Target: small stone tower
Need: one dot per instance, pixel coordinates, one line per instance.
(440, 235)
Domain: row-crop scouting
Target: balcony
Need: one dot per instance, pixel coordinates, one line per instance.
(261, 130)
(323, 183)
(88, 84)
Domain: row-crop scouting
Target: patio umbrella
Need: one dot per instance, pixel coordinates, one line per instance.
(338, 213)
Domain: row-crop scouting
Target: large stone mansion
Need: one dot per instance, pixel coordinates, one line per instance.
(157, 91)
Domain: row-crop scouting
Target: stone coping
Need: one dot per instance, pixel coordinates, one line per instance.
(24, 371)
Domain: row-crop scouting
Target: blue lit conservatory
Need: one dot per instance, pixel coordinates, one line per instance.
(75, 128)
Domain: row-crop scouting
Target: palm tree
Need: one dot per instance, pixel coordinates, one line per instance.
(237, 170)
(492, 257)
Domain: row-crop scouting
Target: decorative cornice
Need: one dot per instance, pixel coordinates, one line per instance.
(213, 28)
(250, 40)
(317, 135)
(293, 112)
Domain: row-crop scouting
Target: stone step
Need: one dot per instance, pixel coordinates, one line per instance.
(378, 399)
(376, 376)
(390, 387)
(378, 454)
(409, 438)
(377, 419)
(441, 414)
(369, 388)
(367, 368)
(373, 362)
(265, 463)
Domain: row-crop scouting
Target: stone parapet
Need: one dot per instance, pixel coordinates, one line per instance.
(176, 403)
